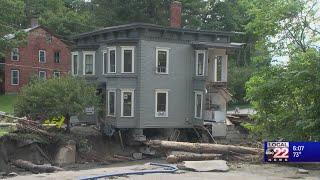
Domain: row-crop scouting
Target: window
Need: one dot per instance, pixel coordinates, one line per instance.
(48, 38)
(111, 102)
(88, 63)
(42, 56)
(162, 60)
(42, 75)
(161, 103)
(112, 60)
(15, 54)
(218, 63)
(75, 62)
(105, 63)
(127, 102)
(56, 57)
(15, 77)
(198, 104)
(127, 59)
(56, 74)
(200, 60)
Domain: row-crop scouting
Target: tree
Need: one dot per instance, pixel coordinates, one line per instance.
(287, 99)
(65, 96)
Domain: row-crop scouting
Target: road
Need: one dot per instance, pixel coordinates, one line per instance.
(237, 171)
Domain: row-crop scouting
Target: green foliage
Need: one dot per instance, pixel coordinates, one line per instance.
(287, 99)
(55, 97)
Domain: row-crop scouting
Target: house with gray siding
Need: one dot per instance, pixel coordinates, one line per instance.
(155, 76)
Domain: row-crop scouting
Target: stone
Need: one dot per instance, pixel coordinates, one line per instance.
(12, 174)
(205, 166)
(137, 156)
(303, 171)
(66, 154)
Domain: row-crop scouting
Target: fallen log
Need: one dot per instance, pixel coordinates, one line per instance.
(203, 147)
(29, 166)
(179, 156)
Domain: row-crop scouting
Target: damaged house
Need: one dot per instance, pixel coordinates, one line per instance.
(157, 77)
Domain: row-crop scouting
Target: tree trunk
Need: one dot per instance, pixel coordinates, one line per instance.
(179, 156)
(67, 121)
(204, 147)
(34, 167)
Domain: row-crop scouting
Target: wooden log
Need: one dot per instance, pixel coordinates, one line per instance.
(29, 166)
(203, 147)
(179, 156)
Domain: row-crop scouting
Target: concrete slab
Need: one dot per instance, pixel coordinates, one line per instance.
(205, 166)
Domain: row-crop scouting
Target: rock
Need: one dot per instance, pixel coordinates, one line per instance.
(137, 156)
(147, 150)
(205, 166)
(303, 171)
(66, 154)
(12, 174)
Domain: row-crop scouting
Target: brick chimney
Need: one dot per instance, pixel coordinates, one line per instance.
(175, 14)
(34, 22)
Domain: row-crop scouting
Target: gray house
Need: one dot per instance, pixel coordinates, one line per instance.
(155, 76)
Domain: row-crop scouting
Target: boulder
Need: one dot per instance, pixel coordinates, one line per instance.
(66, 154)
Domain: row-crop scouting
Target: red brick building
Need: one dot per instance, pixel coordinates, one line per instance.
(44, 55)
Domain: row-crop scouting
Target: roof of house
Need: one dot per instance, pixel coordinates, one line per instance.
(63, 39)
(153, 26)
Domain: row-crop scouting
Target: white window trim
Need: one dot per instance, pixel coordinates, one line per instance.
(12, 77)
(93, 53)
(115, 59)
(45, 74)
(166, 91)
(115, 97)
(123, 48)
(45, 56)
(18, 56)
(204, 61)
(72, 70)
(132, 105)
(103, 65)
(195, 104)
(167, 63)
(56, 72)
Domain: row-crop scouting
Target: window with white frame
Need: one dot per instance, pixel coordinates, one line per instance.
(56, 74)
(15, 54)
(56, 56)
(111, 102)
(42, 56)
(112, 60)
(88, 63)
(161, 103)
(42, 75)
(162, 60)
(15, 76)
(198, 98)
(127, 103)
(200, 63)
(127, 59)
(105, 61)
(75, 63)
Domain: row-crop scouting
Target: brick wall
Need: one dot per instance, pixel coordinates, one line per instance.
(28, 64)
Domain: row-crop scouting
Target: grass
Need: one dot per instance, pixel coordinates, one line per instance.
(6, 103)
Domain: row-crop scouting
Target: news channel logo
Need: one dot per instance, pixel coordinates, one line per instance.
(277, 152)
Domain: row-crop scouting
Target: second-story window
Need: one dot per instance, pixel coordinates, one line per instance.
(42, 75)
(112, 60)
(162, 60)
(88, 63)
(42, 56)
(127, 59)
(56, 57)
(75, 62)
(15, 54)
(200, 63)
